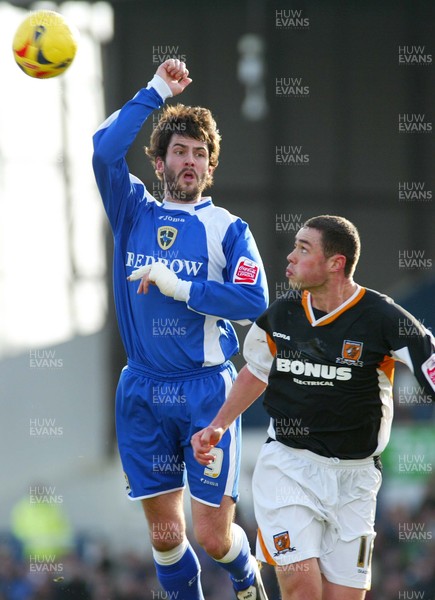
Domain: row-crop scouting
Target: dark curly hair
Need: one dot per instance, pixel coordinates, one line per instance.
(189, 121)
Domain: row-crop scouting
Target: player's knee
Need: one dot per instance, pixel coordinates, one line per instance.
(214, 544)
(214, 547)
(299, 581)
(166, 535)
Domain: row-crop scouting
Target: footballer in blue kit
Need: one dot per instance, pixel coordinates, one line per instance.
(183, 270)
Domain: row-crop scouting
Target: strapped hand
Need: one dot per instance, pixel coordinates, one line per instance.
(157, 273)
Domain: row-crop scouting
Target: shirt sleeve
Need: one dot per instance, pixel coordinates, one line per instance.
(120, 191)
(259, 352)
(412, 344)
(243, 295)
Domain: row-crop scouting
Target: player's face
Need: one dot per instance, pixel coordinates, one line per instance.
(186, 169)
(308, 267)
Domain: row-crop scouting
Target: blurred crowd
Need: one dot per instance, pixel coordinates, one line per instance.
(43, 558)
(403, 565)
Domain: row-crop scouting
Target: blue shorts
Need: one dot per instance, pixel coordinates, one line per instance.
(155, 420)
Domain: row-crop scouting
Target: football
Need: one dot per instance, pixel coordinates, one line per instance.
(45, 44)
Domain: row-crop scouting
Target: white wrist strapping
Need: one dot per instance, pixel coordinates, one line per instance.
(161, 87)
(182, 290)
(165, 279)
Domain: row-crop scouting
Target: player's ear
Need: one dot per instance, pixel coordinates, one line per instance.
(337, 263)
(160, 164)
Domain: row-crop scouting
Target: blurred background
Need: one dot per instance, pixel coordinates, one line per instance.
(324, 107)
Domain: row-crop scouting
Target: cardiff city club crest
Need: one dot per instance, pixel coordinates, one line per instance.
(166, 236)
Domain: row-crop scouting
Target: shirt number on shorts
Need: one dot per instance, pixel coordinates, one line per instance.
(365, 552)
(215, 468)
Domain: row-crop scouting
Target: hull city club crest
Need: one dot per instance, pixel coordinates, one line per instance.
(166, 236)
(282, 543)
(351, 353)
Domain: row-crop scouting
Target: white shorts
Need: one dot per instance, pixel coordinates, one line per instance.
(310, 506)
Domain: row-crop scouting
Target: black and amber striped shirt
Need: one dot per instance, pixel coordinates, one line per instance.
(330, 376)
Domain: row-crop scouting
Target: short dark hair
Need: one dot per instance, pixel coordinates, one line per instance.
(189, 121)
(339, 236)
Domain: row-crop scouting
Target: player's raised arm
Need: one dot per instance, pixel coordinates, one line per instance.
(116, 134)
(112, 140)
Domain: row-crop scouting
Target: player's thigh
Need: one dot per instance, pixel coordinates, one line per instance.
(290, 524)
(348, 564)
(166, 520)
(332, 591)
(211, 483)
(212, 525)
(347, 561)
(147, 439)
(300, 581)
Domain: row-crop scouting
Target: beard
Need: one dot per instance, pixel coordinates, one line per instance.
(180, 191)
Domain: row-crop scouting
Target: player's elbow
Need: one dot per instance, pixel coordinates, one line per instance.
(103, 152)
(99, 155)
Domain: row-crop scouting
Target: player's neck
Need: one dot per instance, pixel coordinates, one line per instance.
(329, 297)
(169, 198)
(180, 199)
